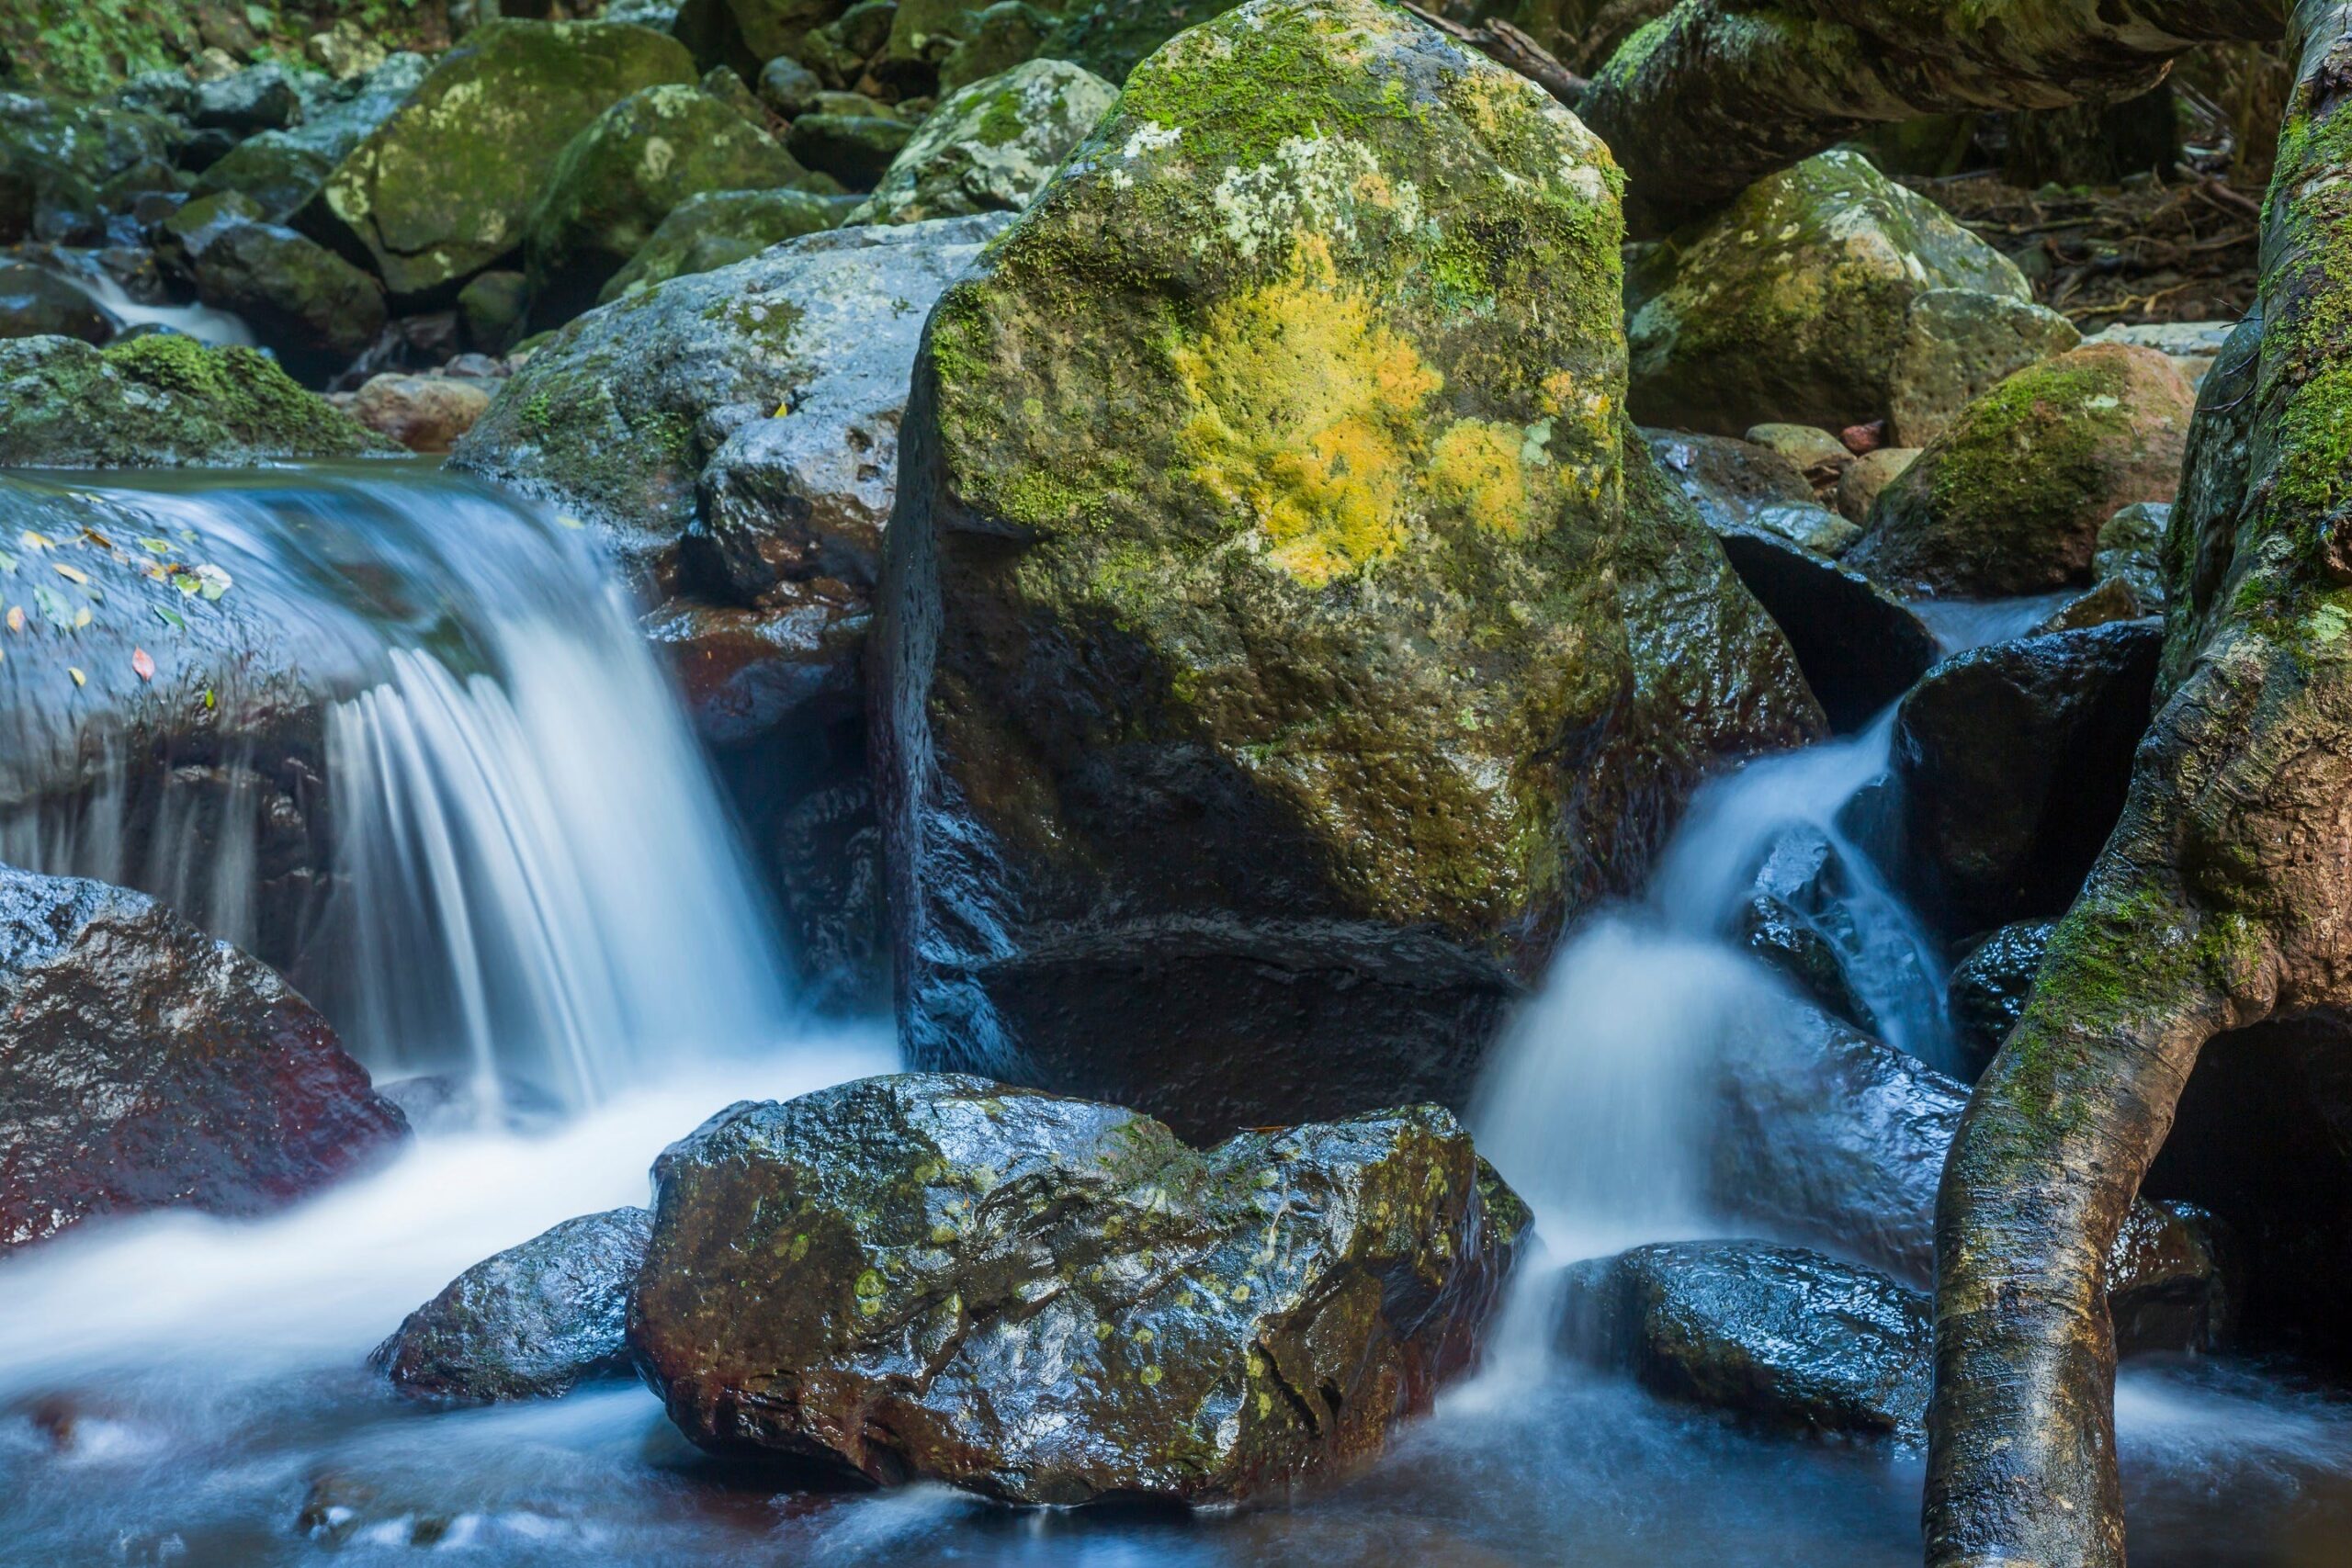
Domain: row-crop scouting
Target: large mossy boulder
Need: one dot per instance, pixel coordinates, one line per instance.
(145, 1066)
(1052, 1300)
(992, 146)
(531, 1323)
(1111, 38)
(1285, 631)
(2010, 499)
(315, 310)
(161, 401)
(1775, 1334)
(1791, 306)
(623, 174)
(718, 229)
(440, 191)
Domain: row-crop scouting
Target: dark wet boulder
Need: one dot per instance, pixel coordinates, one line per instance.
(58, 157)
(1861, 647)
(1728, 480)
(38, 303)
(530, 1323)
(1989, 988)
(161, 401)
(1272, 656)
(622, 174)
(145, 1066)
(2011, 762)
(277, 172)
(1052, 1300)
(718, 229)
(1801, 917)
(1779, 1335)
(314, 309)
(260, 97)
(855, 149)
(441, 189)
(2010, 498)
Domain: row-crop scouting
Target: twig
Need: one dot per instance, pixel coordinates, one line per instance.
(1507, 45)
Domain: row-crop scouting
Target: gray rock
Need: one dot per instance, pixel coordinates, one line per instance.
(2192, 347)
(1860, 486)
(789, 87)
(1780, 1335)
(992, 146)
(1052, 1300)
(2131, 547)
(1807, 525)
(1957, 345)
(1728, 480)
(38, 303)
(258, 98)
(718, 229)
(530, 1323)
(855, 149)
(314, 309)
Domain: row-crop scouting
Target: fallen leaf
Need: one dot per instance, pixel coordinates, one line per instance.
(169, 616)
(187, 583)
(71, 573)
(7, 563)
(142, 665)
(15, 618)
(33, 541)
(79, 679)
(213, 580)
(155, 547)
(54, 607)
(83, 617)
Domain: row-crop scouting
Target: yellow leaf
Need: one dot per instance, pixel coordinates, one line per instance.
(83, 617)
(71, 574)
(79, 679)
(15, 618)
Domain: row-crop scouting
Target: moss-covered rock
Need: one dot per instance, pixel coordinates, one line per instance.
(60, 158)
(993, 145)
(855, 149)
(1112, 38)
(1791, 306)
(278, 171)
(308, 305)
(37, 303)
(282, 170)
(1272, 613)
(718, 229)
(996, 38)
(2010, 499)
(1957, 345)
(161, 401)
(440, 190)
(623, 174)
(1056, 1302)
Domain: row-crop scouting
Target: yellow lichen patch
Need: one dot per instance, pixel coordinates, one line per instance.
(1306, 415)
(1479, 471)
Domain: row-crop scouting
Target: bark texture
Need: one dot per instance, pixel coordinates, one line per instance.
(1717, 94)
(2223, 898)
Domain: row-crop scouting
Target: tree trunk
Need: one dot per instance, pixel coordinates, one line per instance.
(1717, 94)
(2224, 896)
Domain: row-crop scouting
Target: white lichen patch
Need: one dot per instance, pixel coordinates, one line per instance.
(1312, 185)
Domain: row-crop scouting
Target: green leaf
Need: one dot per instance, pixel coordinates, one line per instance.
(54, 607)
(169, 616)
(155, 547)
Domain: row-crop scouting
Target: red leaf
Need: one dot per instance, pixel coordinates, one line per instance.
(141, 665)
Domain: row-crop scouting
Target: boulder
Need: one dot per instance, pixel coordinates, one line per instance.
(1111, 38)
(2192, 347)
(56, 156)
(1269, 581)
(440, 191)
(260, 97)
(1783, 1336)
(314, 309)
(992, 146)
(1863, 481)
(1959, 345)
(622, 174)
(1051, 1301)
(789, 87)
(282, 170)
(423, 414)
(1728, 480)
(531, 1323)
(2010, 499)
(1859, 647)
(145, 1066)
(1791, 306)
(1808, 915)
(2131, 551)
(493, 311)
(1808, 526)
(2011, 762)
(995, 39)
(855, 149)
(718, 229)
(2103, 603)
(1817, 453)
(1990, 986)
(278, 172)
(161, 401)
(38, 303)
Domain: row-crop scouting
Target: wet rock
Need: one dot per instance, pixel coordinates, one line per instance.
(789, 87)
(718, 229)
(1784, 1336)
(278, 172)
(2131, 551)
(282, 170)
(745, 672)
(992, 146)
(1052, 1300)
(1862, 480)
(258, 98)
(163, 401)
(1800, 918)
(423, 414)
(145, 1066)
(314, 309)
(36, 303)
(440, 191)
(2109, 600)
(1729, 482)
(1242, 686)
(2010, 499)
(1813, 528)
(1959, 345)
(1859, 647)
(1791, 306)
(2012, 762)
(995, 39)
(622, 174)
(2192, 347)
(855, 149)
(1989, 988)
(531, 1323)
(1111, 38)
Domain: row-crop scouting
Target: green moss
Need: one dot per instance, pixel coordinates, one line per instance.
(1001, 123)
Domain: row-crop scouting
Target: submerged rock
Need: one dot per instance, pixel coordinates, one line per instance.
(718, 229)
(992, 146)
(1262, 611)
(1782, 1336)
(529, 1324)
(1791, 306)
(161, 401)
(1051, 1301)
(2010, 499)
(2011, 762)
(145, 1066)
(440, 190)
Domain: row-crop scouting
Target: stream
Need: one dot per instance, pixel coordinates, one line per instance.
(540, 898)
